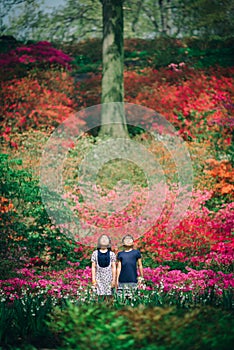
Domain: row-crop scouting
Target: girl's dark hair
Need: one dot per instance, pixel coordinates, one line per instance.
(99, 245)
(126, 237)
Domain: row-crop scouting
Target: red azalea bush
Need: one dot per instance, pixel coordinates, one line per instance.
(202, 236)
(197, 102)
(36, 101)
(188, 98)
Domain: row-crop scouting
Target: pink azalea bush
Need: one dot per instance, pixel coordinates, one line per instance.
(41, 52)
(58, 284)
(74, 282)
(195, 280)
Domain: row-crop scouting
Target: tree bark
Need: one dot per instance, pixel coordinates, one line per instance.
(112, 115)
(161, 8)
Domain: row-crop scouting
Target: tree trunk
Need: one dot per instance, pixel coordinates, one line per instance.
(112, 116)
(162, 16)
(168, 18)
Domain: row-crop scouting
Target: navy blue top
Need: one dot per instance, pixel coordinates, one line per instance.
(128, 265)
(104, 258)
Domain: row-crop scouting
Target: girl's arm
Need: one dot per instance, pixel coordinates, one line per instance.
(139, 261)
(94, 282)
(113, 268)
(118, 273)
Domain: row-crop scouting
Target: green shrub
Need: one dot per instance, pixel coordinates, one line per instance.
(26, 231)
(148, 328)
(23, 322)
(90, 327)
(99, 325)
(159, 52)
(172, 329)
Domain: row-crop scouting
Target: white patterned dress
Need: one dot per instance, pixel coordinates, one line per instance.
(103, 274)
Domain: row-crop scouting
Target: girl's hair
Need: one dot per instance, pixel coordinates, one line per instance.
(130, 236)
(99, 244)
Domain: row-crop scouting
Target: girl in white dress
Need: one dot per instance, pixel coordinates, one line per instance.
(103, 267)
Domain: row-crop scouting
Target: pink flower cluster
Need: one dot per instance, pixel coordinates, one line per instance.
(41, 52)
(195, 280)
(176, 67)
(72, 282)
(56, 283)
(220, 254)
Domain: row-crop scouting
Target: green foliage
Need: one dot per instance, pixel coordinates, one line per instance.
(90, 327)
(9, 221)
(210, 57)
(135, 130)
(85, 52)
(216, 202)
(197, 17)
(170, 328)
(159, 52)
(100, 327)
(78, 19)
(23, 322)
(29, 225)
(230, 150)
(83, 64)
(8, 43)
(174, 265)
(196, 52)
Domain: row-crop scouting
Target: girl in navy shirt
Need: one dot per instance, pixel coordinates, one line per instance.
(128, 260)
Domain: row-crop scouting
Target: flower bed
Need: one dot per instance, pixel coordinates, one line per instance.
(74, 282)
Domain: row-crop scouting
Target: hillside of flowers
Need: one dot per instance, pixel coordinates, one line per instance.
(43, 268)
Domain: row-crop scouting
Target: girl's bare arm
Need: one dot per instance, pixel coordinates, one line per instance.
(94, 273)
(140, 267)
(118, 272)
(113, 268)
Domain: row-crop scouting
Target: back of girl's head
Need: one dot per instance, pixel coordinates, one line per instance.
(99, 242)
